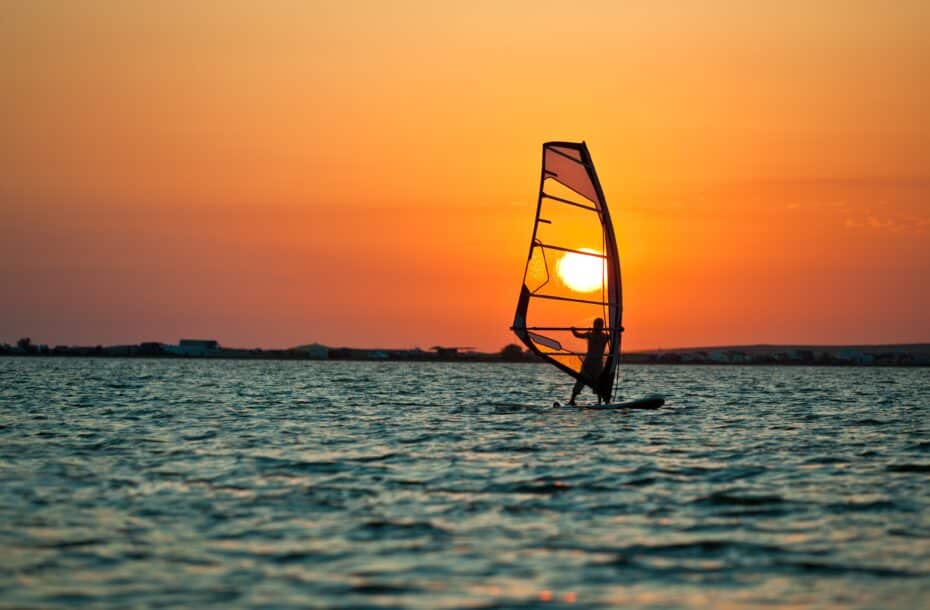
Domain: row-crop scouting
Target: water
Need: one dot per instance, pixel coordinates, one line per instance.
(291, 484)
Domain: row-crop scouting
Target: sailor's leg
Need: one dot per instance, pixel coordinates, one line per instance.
(576, 390)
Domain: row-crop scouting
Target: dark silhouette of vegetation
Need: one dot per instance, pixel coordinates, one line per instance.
(512, 353)
(916, 354)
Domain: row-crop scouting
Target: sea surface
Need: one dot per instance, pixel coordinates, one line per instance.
(253, 484)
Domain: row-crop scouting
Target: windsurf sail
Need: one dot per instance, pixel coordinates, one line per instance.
(572, 274)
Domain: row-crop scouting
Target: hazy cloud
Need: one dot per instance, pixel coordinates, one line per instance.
(905, 224)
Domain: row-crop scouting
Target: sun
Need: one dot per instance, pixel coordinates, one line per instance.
(580, 272)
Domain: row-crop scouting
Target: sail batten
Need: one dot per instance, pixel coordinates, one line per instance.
(580, 205)
(557, 297)
(563, 293)
(561, 249)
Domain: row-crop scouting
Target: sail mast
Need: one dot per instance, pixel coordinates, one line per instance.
(614, 284)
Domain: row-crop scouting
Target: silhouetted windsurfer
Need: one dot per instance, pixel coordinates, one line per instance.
(593, 360)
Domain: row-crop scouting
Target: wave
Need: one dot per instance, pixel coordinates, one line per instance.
(919, 468)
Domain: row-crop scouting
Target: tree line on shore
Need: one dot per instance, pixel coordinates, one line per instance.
(904, 355)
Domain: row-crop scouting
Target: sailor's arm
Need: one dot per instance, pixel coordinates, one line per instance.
(580, 335)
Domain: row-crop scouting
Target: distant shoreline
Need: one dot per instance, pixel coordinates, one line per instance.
(892, 355)
(903, 354)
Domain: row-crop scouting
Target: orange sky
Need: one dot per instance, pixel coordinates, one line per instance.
(365, 173)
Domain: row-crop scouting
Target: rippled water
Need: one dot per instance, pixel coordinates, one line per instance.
(334, 484)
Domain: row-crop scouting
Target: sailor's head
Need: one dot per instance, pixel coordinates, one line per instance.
(598, 324)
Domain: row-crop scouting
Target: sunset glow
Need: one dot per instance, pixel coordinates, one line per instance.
(366, 173)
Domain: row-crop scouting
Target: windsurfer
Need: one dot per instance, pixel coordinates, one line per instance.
(593, 360)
